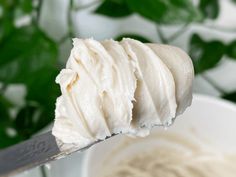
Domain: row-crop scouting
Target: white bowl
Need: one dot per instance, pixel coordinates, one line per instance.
(210, 119)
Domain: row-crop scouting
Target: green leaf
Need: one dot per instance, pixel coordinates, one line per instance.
(6, 27)
(230, 96)
(6, 122)
(6, 19)
(210, 8)
(4, 111)
(41, 84)
(4, 101)
(205, 55)
(29, 57)
(113, 8)
(24, 53)
(133, 36)
(43, 89)
(26, 5)
(166, 11)
(39, 110)
(46, 117)
(24, 121)
(231, 50)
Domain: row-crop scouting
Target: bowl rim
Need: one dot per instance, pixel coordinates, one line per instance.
(200, 97)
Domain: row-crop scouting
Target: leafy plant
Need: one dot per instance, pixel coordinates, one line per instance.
(114, 8)
(166, 12)
(210, 8)
(29, 56)
(205, 54)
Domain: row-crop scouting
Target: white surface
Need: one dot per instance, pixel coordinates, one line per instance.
(208, 119)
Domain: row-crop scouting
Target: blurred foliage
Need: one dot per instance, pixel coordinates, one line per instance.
(167, 12)
(133, 36)
(210, 8)
(114, 8)
(32, 49)
(231, 50)
(205, 54)
(158, 11)
(29, 56)
(230, 96)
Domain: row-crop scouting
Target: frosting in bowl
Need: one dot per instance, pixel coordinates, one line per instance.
(173, 155)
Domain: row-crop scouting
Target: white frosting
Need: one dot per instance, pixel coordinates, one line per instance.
(174, 155)
(120, 87)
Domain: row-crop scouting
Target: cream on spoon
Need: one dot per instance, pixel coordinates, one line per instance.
(127, 87)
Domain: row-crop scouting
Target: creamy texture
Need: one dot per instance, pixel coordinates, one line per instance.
(112, 87)
(175, 156)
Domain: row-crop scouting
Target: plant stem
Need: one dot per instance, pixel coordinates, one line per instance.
(43, 171)
(69, 20)
(38, 11)
(70, 33)
(161, 35)
(178, 33)
(86, 5)
(213, 84)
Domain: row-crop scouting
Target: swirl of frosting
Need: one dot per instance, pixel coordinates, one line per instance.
(120, 87)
